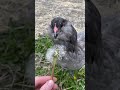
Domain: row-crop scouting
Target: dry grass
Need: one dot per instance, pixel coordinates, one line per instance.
(46, 10)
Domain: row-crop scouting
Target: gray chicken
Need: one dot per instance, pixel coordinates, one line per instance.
(70, 45)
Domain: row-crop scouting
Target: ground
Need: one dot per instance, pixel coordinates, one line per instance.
(46, 10)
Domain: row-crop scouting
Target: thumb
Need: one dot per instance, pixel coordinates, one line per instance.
(48, 85)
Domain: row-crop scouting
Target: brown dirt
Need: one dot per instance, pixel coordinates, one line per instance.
(46, 10)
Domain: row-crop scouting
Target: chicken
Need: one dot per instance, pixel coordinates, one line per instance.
(70, 45)
(102, 50)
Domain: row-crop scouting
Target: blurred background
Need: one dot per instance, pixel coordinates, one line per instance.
(16, 44)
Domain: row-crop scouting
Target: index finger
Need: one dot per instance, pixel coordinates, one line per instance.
(40, 80)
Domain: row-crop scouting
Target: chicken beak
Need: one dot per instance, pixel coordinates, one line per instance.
(55, 31)
(55, 35)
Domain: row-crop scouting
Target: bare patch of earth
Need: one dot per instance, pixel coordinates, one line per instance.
(46, 10)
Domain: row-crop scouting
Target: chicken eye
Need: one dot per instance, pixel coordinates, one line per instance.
(61, 25)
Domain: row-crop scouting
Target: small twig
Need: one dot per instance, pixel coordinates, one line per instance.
(55, 58)
(23, 85)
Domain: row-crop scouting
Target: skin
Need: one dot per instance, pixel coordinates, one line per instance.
(45, 83)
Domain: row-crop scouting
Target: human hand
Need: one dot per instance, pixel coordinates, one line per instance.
(45, 83)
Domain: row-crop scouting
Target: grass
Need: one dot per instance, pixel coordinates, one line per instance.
(16, 45)
(65, 80)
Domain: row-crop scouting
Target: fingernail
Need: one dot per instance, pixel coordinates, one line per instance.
(50, 83)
